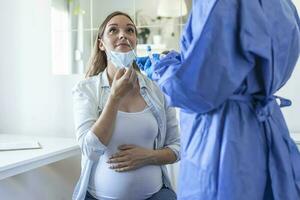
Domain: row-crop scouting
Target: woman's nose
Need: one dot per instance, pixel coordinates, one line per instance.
(122, 35)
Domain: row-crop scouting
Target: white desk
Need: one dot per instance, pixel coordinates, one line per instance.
(19, 161)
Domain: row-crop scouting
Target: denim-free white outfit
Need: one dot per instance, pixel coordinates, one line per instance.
(90, 96)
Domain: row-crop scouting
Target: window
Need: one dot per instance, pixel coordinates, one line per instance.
(75, 24)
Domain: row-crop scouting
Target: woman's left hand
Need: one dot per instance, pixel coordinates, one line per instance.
(130, 157)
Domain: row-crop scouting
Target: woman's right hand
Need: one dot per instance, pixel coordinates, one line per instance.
(123, 82)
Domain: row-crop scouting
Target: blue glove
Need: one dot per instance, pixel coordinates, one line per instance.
(146, 65)
(140, 61)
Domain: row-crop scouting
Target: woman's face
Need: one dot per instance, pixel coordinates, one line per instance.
(118, 29)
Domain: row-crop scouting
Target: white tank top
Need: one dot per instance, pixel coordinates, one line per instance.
(139, 128)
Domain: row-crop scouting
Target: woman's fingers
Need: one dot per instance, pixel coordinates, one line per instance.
(129, 78)
(119, 73)
(126, 146)
(118, 154)
(133, 77)
(124, 81)
(119, 165)
(117, 160)
(128, 72)
(123, 169)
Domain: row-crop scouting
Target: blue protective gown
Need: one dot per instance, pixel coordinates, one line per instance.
(235, 54)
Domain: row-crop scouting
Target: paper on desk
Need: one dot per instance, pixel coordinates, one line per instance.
(19, 145)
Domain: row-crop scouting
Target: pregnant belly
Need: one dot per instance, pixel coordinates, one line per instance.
(137, 184)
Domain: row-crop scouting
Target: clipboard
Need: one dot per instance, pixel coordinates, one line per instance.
(19, 145)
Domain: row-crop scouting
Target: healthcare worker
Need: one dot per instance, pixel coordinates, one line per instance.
(235, 54)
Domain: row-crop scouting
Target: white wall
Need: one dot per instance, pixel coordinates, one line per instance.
(292, 91)
(32, 100)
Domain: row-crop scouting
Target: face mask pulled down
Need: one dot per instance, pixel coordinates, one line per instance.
(121, 59)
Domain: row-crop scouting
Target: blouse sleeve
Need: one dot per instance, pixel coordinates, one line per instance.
(86, 113)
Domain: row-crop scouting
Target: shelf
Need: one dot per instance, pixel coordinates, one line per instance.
(19, 161)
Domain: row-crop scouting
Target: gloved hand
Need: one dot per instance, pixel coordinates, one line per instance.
(146, 64)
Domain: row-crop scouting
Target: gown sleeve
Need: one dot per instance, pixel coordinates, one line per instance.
(219, 48)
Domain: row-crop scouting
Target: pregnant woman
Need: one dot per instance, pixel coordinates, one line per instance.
(125, 130)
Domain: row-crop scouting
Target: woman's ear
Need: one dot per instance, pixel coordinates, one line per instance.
(101, 46)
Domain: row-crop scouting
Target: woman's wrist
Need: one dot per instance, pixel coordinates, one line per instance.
(114, 99)
(152, 157)
(161, 157)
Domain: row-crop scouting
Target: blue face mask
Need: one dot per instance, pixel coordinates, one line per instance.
(121, 59)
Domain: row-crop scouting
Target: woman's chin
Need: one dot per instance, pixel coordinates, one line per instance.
(122, 48)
